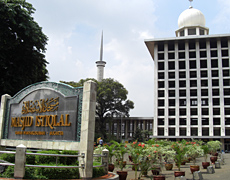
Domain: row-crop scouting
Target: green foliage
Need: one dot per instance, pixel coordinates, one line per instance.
(111, 102)
(69, 160)
(22, 47)
(8, 173)
(30, 159)
(111, 151)
(97, 172)
(214, 146)
(46, 159)
(8, 157)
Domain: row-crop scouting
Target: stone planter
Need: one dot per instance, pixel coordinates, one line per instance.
(213, 159)
(122, 175)
(111, 167)
(156, 171)
(160, 177)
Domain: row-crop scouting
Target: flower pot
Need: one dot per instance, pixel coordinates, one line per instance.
(179, 173)
(168, 167)
(160, 177)
(122, 175)
(205, 164)
(213, 159)
(111, 167)
(183, 162)
(156, 171)
(194, 168)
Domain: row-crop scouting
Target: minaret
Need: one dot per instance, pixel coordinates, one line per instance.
(100, 63)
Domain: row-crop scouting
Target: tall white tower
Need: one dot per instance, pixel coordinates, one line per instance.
(100, 64)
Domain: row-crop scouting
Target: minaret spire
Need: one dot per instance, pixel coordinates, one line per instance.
(190, 3)
(100, 64)
(101, 51)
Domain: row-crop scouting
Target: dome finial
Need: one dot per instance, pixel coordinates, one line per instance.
(190, 4)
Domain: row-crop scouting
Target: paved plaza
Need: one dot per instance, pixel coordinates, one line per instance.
(222, 173)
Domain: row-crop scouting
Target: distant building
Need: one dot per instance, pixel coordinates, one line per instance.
(192, 82)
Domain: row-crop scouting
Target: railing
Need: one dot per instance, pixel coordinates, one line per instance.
(104, 161)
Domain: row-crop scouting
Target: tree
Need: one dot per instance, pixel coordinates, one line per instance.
(111, 102)
(22, 44)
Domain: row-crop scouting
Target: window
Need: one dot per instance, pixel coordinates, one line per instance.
(227, 111)
(192, 64)
(204, 92)
(216, 111)
(171, 84)
(205, 111)
(171, 131)
(227, 121)
(181, 64)
(182, 131)
(181, 55)
(201, 31)
(214, 53)
(193, 74)
(215, 82)
(213, 44)
(193, 102)
(171, 65)
(161, 102)
(193, 111)
(181, 45)
(171, 75)
(182, 75)
(161, 75)
(214, 63)
(171, 55)
(226, 72)
(204, 74)
(171, 102)
(160, 131)
(215, 73)
(192, 54)
(225, 62)
(182, 102)
(161, 112)
(193, 83)
(226, 82)
(161, 121)
(194, 131)
(226, 101)
(205, 121)
(161, 66)
(203, 54)
(215, 92)
(192, 45)
(171, 112)
(172, 121)
(160, 56)
(182, 93)
(192, 31)
(171, 93)
(216, 101)
(161, 84)
(171, 46)
(182, 112)
(194, 121)
(204, 102)
(182, 121)
(202, 44)
(203, 64)
(161, 47)
(161, 93)
(216, 131)
(226, 91)
(182, 33)
(224, 43)
(204, 83)
(224, 53)
(205, 131)
(193, 92)
(182, 83)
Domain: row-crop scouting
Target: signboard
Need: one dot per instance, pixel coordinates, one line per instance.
(44, 111)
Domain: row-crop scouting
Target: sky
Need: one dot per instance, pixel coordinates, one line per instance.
(74, 29)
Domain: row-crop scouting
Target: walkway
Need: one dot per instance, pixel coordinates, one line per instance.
(222, 174)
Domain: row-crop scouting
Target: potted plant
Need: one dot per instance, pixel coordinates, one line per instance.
(111, 154)
(120, 150)
(194, 151)
(169, 156)
(180, 149)
(213, 147)
(205, 148)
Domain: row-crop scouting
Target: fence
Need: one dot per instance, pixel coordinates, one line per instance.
(20, 160)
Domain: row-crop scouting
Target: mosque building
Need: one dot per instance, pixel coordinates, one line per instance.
(192, 82)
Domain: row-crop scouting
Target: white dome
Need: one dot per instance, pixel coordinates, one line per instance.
(191, 17)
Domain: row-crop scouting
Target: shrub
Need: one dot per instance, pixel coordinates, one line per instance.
(69, 160)
(46, 159)
(98, 171)
(8, 157)
(30, 159)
